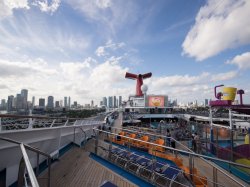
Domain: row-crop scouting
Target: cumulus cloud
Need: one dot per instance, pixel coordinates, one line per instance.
(17, 69)
(7, 6)
(224, 76)
(110, 15)
(45, 7)
(91, 80)
(187, 87)
(242, 61)
(179, 80)
(103, 50)
(219, 25)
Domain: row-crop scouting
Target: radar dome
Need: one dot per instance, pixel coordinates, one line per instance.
(144, 88)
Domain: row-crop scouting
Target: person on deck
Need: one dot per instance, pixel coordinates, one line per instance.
(197, 143)
(168, 138)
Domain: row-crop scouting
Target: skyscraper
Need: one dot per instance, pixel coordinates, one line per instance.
(50, 104)
(92, 103)
(33, 101)
(57, 104)
(19, 102)
(24, 95)
(104, 101)
(10, 103)
(114, 103)
(75, 104)
(69, 102)
(42, 102)
(110, 102)
(120, 101)
(206, 102)
(65, 102)
(3, 103)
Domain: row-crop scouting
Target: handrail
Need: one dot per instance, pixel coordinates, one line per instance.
(52, 124)
(38, 117)
(225, 149)
(34, 150)
(190, 153)
(211, 164)
(85, 136)
(26, 146)
(241, 115)
(31, 173)
(173, 149)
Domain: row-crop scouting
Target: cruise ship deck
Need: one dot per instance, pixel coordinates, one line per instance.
(77, 168)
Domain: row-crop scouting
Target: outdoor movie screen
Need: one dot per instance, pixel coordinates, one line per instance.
(156, 101)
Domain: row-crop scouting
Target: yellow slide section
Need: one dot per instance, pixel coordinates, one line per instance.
(247, 139)
(229, 93)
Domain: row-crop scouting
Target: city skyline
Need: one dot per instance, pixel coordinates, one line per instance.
(83, 49)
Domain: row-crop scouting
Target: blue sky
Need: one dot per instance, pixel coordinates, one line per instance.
(83, 48)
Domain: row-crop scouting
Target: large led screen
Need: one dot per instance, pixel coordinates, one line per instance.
(156, 101)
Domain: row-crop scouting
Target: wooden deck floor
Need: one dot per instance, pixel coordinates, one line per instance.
(75, 168)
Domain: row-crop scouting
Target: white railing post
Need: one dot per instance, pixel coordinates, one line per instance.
(29, 168)
(30, 123)
(53, 123)
(67, 122)
(74, 122)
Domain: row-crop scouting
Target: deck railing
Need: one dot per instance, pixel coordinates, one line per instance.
(32, 177)
(215, 181)
(18, 122)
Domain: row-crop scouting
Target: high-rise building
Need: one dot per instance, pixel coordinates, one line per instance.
(104, 101)
(65, 102)
(42, 102)
(92, 103)
(114, 104)
(61, 103)
(19, 102)
(33, 101)
(57, 104)
(24, 95)
(110, 102)
(50, 104)
(3, 103)
(69, 102)
(206, 102)
(10, 103)
(120, 101)
(75, 104)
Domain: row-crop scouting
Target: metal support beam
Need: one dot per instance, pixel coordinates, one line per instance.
(215, 177)
(37, 164)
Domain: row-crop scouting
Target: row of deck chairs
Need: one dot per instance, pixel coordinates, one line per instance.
(151, 170)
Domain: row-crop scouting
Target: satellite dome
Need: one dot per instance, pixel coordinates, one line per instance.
(144, 88)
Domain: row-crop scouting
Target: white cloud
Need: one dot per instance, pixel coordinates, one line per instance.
(186, 87)
(18, 69)
(7, 6)
(109, 15)
(45, 7)
(224, 76)
(242, 61)
(103, 3)
(91, 80)
(179, 80)
(219, 25)
(100, 51)
(25, 36)
(103, 50)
